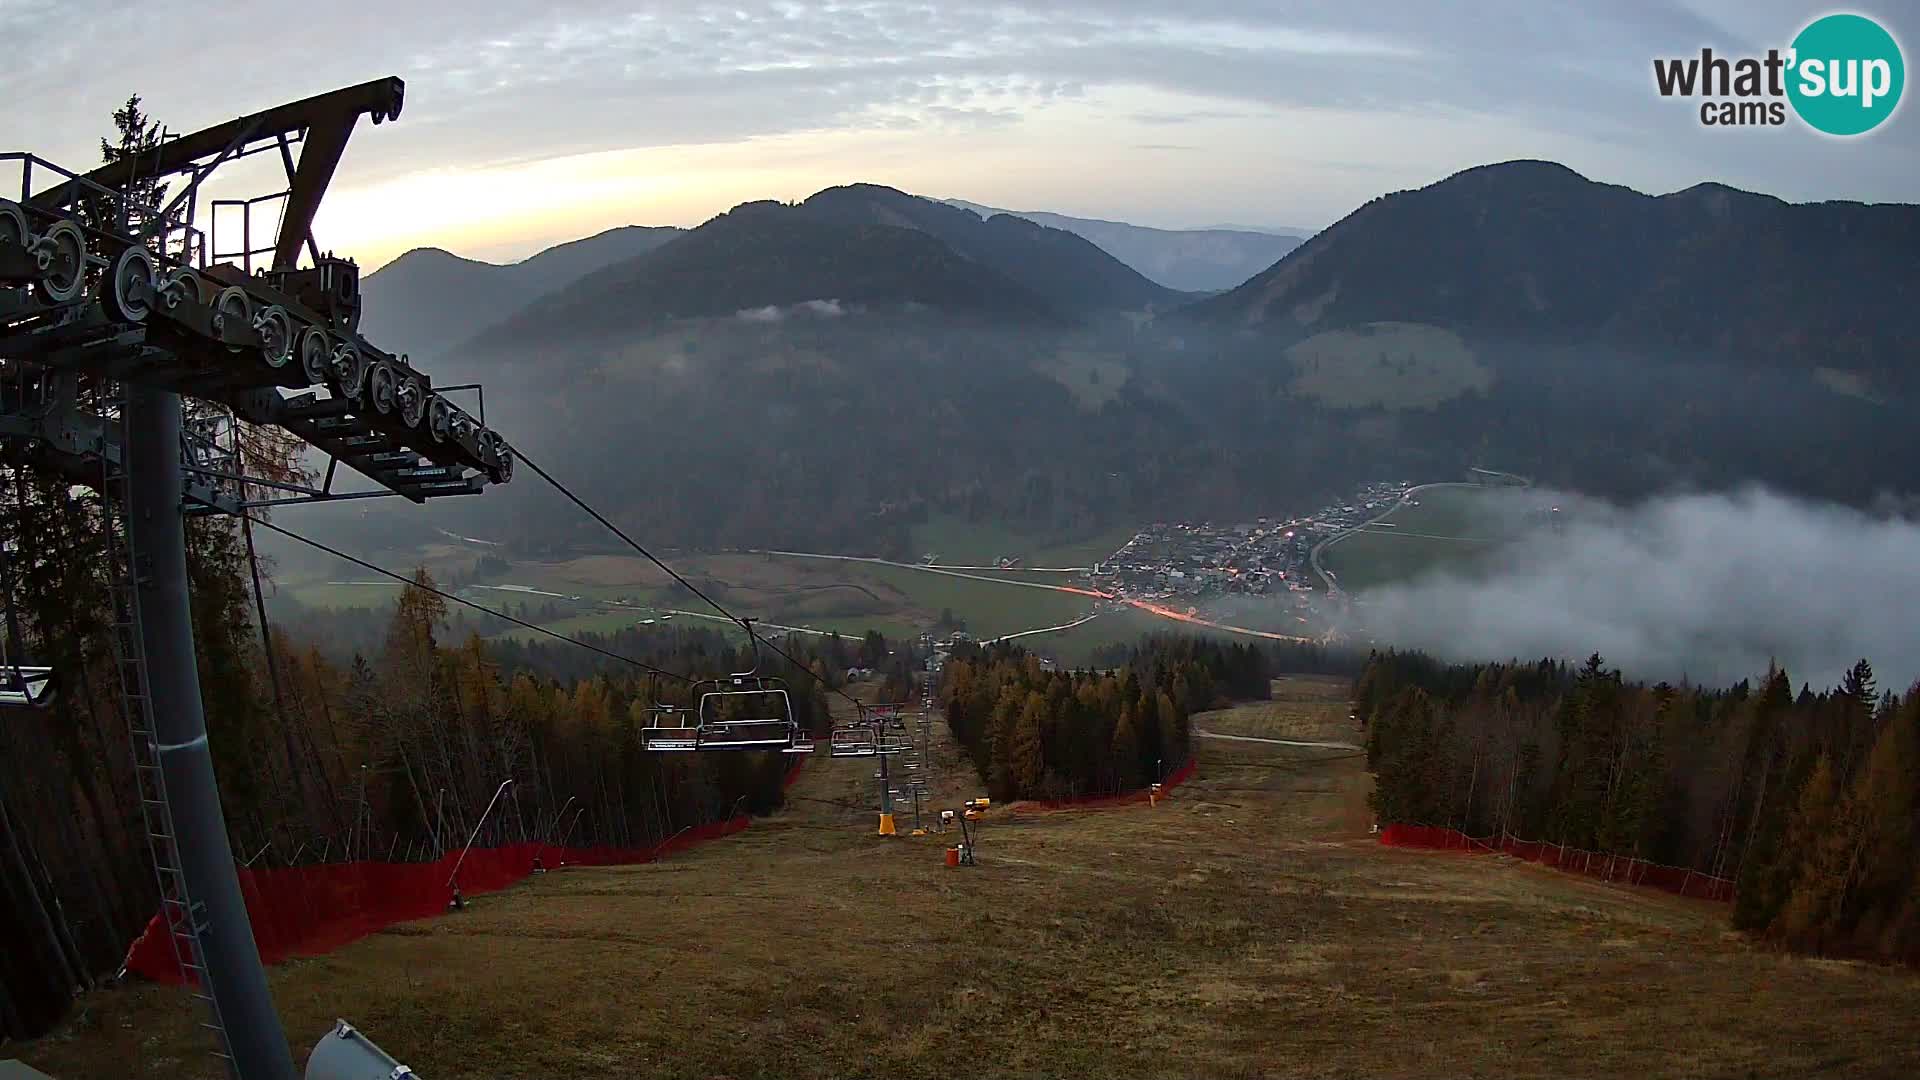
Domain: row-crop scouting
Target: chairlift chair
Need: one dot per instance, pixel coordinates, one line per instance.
(851, 742)
(26, 687)
(744, 711)
(768, 724)
(672, 729)
(21, 687)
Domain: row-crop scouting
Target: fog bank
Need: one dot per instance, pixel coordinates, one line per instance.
(1706, 587)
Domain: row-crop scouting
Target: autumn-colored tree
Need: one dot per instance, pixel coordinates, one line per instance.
(1751, 783)
(1126, 750)
(1026, 758)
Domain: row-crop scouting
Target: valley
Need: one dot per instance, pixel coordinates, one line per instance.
(1438, 643)
(1256, 579)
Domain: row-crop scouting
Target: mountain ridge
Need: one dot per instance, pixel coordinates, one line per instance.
(1067, 270)
(1527, 250)
(425, 302)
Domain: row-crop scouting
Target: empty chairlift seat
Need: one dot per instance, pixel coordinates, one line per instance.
(851, 742)
(670, 729)
(768, 734)
(739, 713)
(26, 687)
(747, 712)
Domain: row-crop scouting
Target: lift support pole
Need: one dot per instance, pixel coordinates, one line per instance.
(156, 528)
(886, 796)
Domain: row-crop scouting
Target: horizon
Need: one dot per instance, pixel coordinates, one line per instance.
(528, 125)
(518, 252)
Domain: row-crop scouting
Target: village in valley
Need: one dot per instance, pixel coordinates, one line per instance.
(1198, 561)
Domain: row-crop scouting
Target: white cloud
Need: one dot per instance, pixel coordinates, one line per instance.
(1710, 587)
(822, 309)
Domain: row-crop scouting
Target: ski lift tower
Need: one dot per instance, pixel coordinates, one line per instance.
(887, 721)
(113, 312)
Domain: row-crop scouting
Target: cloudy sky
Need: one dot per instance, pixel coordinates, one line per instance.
(529, 123)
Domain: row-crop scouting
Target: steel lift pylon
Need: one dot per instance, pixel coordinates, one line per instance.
(115, 311)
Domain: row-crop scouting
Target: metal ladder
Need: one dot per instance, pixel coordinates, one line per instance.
(185, 919)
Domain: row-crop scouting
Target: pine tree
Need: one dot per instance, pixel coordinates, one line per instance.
(1167, 723)
(1858, 699)
(1126, 751)
(1001, 780)
(1882, 808)
(1027, 759)
(1819, 876)
(135, 135)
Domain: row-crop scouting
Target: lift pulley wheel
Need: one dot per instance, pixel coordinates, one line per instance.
(381, 385)
(350, 370)
(13, 227)
(439, 418)
(182, 286)
(232, 309)
(412, 395)
(63, 254)
(129, 291)
(275, 328)
(316, 353)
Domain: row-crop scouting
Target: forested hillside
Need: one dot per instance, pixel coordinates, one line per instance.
(391, 754)
(1809, 801)
(1035, 733)
(824, 375)
(1531, 251)
(428, 301)
(1069, 272)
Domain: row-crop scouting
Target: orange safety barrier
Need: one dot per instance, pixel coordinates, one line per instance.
(1596, 864)
(313, 910)
(1126, 798)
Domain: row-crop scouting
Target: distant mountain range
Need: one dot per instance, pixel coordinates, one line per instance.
(428, 300)
(1193, 260)
(829, 371)
(760, 258)
(857, 244)
(1531, 251)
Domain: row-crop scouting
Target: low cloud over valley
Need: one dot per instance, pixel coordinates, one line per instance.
(1709, 587)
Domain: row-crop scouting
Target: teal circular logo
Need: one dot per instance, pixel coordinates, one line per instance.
(1846, 74)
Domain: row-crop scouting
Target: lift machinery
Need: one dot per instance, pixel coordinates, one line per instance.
(135, 352)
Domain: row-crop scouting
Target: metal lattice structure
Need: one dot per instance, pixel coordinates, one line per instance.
(98, 289)
(115, 308)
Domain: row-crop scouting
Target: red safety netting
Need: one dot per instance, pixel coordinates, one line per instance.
(312, 910)
(1595, 864)
(1126, 798)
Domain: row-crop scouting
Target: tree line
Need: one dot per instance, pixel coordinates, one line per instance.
(1035, 733)
(1809, 802)
(392, 753)
(1241, 670)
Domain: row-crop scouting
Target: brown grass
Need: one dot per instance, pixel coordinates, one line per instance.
(1250, 928)
(1311, 708)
